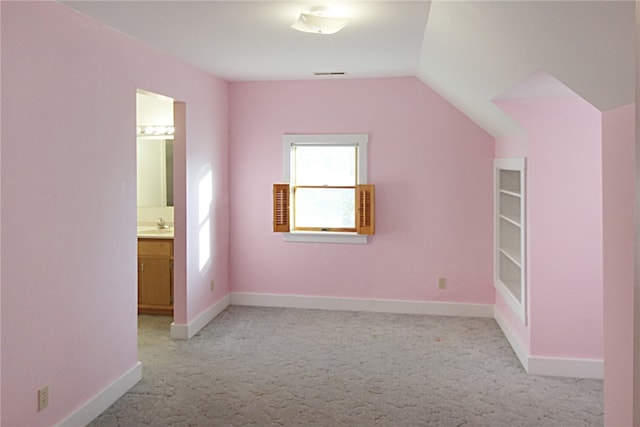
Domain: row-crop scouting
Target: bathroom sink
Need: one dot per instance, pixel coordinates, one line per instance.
(155, 232)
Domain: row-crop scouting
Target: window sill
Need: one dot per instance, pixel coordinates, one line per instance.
(325, 237)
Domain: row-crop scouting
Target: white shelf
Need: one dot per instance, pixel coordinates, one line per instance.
(510, 229)
(512, 218)
(513, 255)
(510, 193)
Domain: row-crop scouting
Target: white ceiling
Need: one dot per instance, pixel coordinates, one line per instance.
(469, 51)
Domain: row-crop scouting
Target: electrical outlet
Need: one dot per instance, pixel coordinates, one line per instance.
(442, 283)
(212, 285)
(43, 398)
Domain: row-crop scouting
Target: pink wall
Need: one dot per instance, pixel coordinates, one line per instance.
(433, 173)
(618, 167)
(68, 202)
(514, 145)
(564, 197)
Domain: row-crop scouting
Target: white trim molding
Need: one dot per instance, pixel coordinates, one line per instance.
(324, 237)
(107, 397)
(550, 366)
(521, 353)
(187, 331)
(566, 367)
(358, 304)
(289, 141)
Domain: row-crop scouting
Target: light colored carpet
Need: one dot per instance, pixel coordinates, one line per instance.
(272, 366)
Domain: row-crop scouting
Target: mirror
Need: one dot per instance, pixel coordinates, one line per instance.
(154, 148)
(154, 171)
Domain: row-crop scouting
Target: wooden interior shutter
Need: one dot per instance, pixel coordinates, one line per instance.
(365, 212)
(281, 208)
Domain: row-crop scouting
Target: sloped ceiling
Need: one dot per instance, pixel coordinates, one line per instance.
(469, 51)
(474, 51)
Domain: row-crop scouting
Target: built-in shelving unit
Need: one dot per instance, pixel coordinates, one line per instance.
(510, 259)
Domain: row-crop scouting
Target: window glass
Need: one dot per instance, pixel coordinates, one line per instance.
(324, 165)
(325, 208)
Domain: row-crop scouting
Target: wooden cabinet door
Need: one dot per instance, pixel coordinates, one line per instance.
(155, 282)
(155, 276)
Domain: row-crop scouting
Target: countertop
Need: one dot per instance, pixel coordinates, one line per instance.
(153, 232)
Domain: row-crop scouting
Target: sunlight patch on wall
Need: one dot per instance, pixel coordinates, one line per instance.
(205, 197)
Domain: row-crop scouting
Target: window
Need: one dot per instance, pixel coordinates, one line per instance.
(325, 196)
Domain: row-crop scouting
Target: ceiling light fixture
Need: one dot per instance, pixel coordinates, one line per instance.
(320, 20)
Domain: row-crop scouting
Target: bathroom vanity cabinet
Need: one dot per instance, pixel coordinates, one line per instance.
(155, 276)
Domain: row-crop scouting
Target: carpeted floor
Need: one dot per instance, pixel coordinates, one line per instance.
(273, 366)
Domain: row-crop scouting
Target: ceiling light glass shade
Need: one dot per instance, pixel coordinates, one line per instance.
(320, 20)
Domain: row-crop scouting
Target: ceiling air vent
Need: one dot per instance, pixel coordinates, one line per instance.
(329, 73)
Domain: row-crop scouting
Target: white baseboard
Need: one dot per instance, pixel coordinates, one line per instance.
(566, 367)
(186, 331)
(107, 397)
(357, 304)
(550, 366)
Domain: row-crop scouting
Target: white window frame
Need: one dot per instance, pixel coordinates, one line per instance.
(359, 140)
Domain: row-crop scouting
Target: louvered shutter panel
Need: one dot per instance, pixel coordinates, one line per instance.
(281, 208)
(365, 212)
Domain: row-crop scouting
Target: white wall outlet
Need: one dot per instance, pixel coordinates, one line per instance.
(43, 398)
(212, 285)
(442, 283)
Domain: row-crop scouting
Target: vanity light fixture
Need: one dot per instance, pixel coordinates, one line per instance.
(155, 130)
(320, 20)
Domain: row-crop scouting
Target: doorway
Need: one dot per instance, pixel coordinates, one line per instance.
(156, 225)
